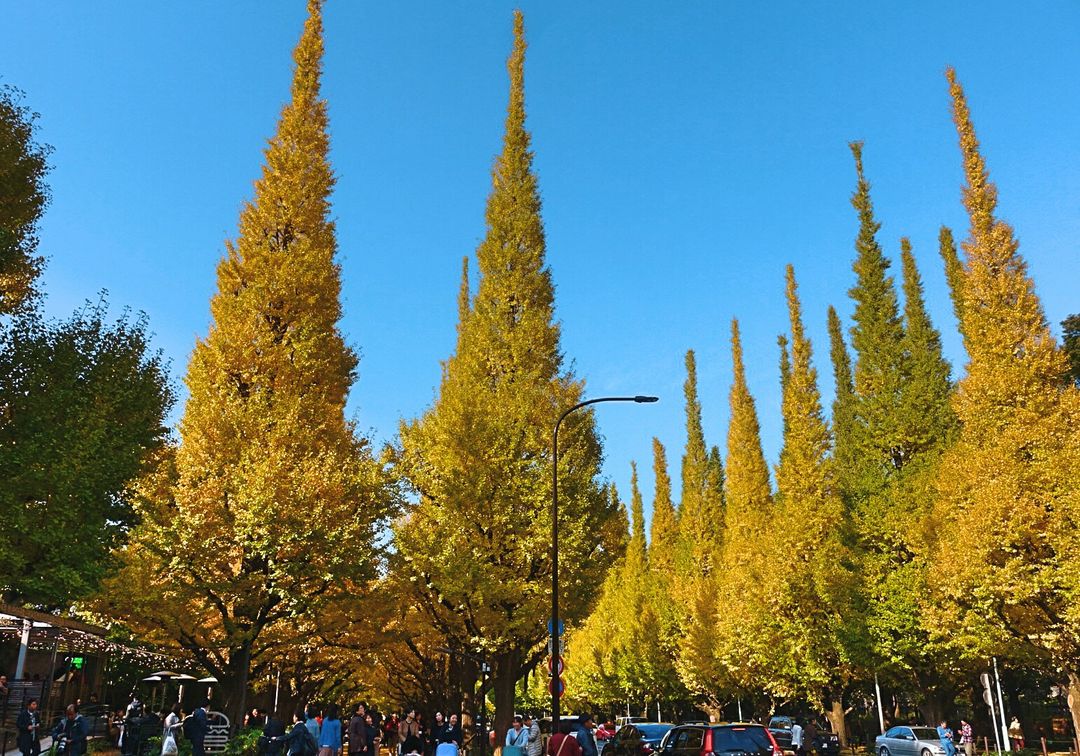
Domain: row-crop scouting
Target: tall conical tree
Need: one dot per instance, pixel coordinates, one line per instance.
(877, 339)
(954, 271)
(478, 541)
(1011, 485)
(927, 388)
(844, 432)
(809, 573)
(664, 527)
(701, 508)
(748, 507)
(267, 465)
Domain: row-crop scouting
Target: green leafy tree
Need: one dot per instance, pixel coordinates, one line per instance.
(843, 420)
(82, 410)
(24, 196)
(477, 543)
(954, 272)
(270, 515)
(1010, 486)
(810, 585)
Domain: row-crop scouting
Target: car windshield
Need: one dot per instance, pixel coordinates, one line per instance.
(654, 731)
(780, 723)
(744, 739)
(925, 733)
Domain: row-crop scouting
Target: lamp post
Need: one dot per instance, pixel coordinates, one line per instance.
(556, 651)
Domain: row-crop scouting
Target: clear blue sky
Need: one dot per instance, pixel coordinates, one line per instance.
(686, 152)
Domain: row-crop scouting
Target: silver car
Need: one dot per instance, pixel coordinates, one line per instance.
(909, 741)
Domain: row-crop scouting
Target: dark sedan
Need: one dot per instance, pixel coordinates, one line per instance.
(637, 739)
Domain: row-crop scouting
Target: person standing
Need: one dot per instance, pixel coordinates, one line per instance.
(535, 745)
(1016, 734)
(796, 737)
(563, 743)
(809, 737)
(517, 736)
(945, 734)
(358, 732)
(435, 733)
(273, 731)
(453, 733)
(312, 721)
(390, 733)
(967, 738)
(330, 733)
(409, 733)
(74, 730)
(28, 725)
(585, 735)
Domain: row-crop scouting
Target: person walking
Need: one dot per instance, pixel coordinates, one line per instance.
(311, 721)
(945, 734)
(330, 733)
(28, 725)
(967, 738)
(195, 728)
(296, 742)
(797, 737)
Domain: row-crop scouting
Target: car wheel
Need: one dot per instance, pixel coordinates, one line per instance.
(884, 751)
(926, 752)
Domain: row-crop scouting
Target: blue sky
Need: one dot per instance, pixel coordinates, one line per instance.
(686, 152)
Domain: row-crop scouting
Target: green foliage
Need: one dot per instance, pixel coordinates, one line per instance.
(244, 743)
(475, 546)
(1070, 337)
(23, 198)
(82, 407)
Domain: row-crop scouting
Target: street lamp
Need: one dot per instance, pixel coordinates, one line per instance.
(555, 649)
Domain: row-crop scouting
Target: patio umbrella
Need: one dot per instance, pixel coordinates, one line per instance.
(182, 678)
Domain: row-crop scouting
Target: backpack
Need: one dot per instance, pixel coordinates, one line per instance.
(311, 747)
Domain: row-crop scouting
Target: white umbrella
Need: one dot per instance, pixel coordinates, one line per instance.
(152, 678)
(210, 679)
(165, 673)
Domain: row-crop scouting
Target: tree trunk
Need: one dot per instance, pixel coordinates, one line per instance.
(469, 701)
(838, 721)
(234, 686)
(505, 672)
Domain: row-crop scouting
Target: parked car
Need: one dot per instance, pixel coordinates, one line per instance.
(637, 739)
(780, 727)
(827, 743)
(909, 741)
(735, 738)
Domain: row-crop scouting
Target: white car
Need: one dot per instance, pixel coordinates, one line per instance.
(905, 740)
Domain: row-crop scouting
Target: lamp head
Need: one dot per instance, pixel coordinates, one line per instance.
(646, 399)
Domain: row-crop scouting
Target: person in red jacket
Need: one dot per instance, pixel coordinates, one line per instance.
(563, 743)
